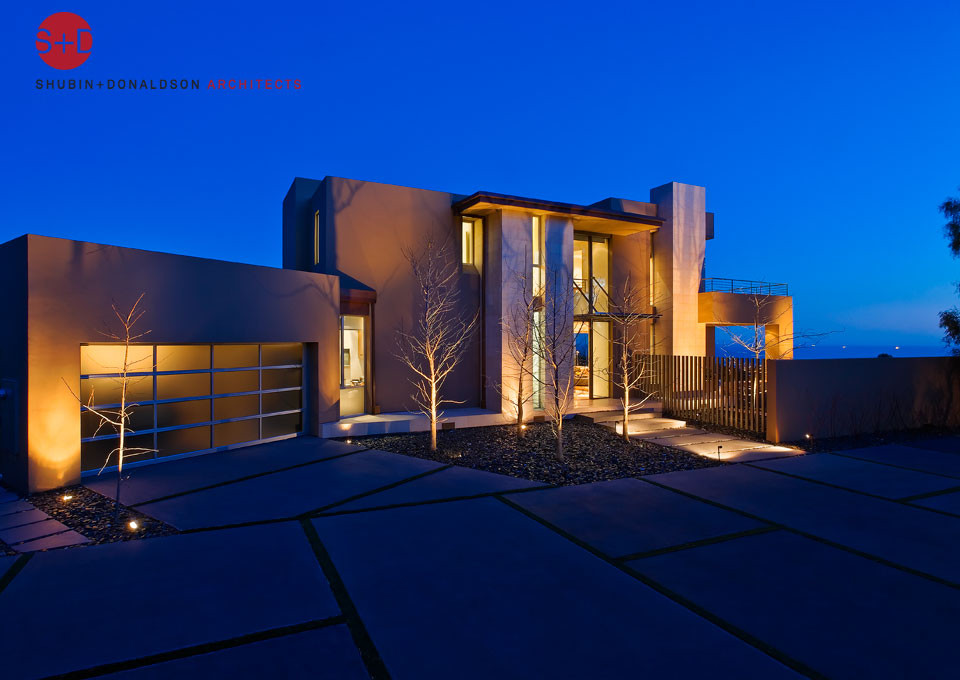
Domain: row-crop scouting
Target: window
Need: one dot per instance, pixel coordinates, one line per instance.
(316, 237)
(469, 234)
(538, 283)
(539, 280)
(353, 365)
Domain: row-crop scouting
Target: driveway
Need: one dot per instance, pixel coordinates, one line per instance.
(312, 558)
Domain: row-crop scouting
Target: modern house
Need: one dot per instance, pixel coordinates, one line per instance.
(239, 354)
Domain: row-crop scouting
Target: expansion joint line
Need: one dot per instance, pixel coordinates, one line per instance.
(743, 635)
(358, 631)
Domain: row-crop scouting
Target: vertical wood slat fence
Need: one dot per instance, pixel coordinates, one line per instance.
(725, 391)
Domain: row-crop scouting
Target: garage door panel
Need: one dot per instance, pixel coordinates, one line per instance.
(183, 413)
(234, 382)
(279, 378)
(236, 407)
(278, 426)
(183, 357)
(237, 432)
(174, 442)
(183, 385)
(236, 356)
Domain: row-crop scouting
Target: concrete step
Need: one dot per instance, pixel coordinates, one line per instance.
(647, 425)
(604, 417)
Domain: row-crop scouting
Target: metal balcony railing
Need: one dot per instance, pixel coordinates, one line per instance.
(742, 287)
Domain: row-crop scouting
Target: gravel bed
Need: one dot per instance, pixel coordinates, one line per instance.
(592, 452)
(91, 514)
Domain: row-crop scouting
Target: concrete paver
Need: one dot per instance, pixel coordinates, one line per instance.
(908, 536)
(436, 583)
(842, 615)
(109, 603)
(860, 475)
(151, 482)
(450, 483)
(289, 493)
(628, 516)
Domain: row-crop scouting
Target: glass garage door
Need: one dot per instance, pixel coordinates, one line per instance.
(191, 398)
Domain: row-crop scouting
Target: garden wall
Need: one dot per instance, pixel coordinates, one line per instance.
(839, 397)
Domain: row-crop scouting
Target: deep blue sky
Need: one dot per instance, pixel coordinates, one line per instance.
(826, 133)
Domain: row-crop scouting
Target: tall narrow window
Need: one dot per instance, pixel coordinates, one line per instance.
(536, 242)
(469, 233)
(538, 283)
(316, 237)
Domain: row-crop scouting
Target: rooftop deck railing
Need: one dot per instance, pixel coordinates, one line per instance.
(742, 287)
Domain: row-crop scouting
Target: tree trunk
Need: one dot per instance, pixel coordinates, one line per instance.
(560, 439)
(626, 412)
(433, 420)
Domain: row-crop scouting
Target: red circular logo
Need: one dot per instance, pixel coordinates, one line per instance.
(64, 40)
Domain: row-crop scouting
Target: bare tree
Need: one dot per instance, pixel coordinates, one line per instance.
(631, 345)
(518, 333)
(434, 345)
(553, 342)
(119, 418)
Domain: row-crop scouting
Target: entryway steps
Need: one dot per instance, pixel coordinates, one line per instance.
(607, 417)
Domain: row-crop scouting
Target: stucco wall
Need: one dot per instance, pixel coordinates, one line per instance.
(188, 300)
(679, 250)
(838, 397)
(367, 226)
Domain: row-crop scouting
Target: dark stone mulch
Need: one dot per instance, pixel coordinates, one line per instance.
(92, 515)
(593, 453)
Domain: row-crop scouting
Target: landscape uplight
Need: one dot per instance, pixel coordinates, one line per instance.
(133, 525)
(67, 497)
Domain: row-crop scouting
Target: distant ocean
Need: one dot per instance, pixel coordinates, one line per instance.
(850, 351)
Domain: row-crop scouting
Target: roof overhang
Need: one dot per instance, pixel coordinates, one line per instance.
(585, 218)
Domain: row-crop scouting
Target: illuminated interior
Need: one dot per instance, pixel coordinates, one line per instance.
(352, 365)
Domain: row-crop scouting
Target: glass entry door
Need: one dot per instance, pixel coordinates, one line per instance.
(353, 365)
(591, 308)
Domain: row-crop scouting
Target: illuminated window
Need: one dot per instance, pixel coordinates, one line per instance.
(536, 242)
(469, 233)
(539, 283)
(316, 237)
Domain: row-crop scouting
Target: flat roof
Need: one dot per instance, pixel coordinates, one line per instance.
(585, 216)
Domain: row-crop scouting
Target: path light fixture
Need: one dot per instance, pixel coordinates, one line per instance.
(719, 459)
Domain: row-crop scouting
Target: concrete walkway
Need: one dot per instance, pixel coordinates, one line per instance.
(315, 559)
(723, 447)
